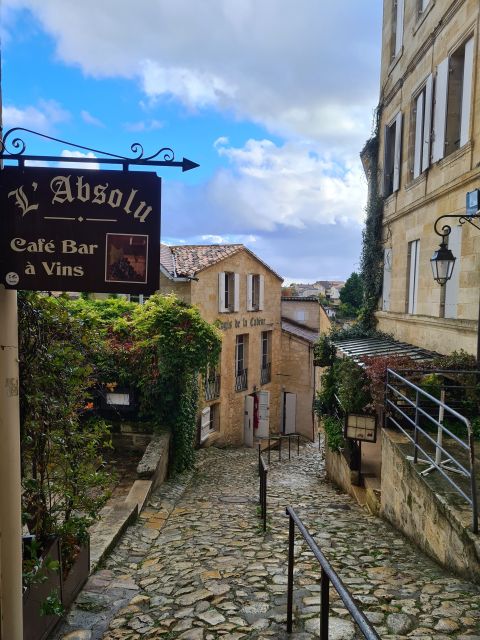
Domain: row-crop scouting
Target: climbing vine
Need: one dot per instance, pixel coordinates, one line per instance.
(371, 260)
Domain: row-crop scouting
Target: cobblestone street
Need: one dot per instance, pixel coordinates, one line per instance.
(197, 566)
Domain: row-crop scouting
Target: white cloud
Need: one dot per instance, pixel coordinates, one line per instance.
(144, 125)
(41, 118)
(209, 239)
(89, 119)
(308, 68)
(66, 153)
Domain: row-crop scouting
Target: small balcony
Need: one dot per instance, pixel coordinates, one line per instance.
(212, 387)
(266, 373)
(241, 380)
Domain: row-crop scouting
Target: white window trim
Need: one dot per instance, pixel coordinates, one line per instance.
(413, 276)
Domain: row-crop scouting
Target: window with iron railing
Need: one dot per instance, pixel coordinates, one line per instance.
(266, 363)
(241, 355)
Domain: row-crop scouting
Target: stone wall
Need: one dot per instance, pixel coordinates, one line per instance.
(305, 312)
(411, 506)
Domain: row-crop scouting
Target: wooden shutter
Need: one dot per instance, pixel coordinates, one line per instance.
(427, 122)
(399, 26)
(290, 413)
(221, 292)
(387, 279)
(249, 292)
(205, 424)
(466, 93)
(417, 159)
(263, 414)
(236, 291)
(440, 111)
(414, 248)
(452, 286)
(397, 152)
(261, 293)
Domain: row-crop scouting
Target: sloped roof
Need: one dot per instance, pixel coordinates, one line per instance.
(358, 348)
(187, 260)
(300, 331)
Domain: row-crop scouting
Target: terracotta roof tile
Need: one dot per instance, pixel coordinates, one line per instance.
(190, 259)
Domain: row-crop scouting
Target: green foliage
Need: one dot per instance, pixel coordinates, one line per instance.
(371, 261)
(61, 451)
(356, 330)
(334, 432)
(324, 351)
(456, 360)
(52, 605)
(325, 403)
(352, 386)
(352, 293)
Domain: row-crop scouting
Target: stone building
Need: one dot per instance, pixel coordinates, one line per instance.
(428, 160)
(303, 319)
(233, 288)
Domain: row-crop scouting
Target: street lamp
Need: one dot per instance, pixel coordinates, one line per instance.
(443, 260)
(442, 263)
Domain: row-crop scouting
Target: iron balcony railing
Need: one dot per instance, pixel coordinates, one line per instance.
(441, 450)
(266, 373)
(328, 575)
(212, 387)
(241, 380)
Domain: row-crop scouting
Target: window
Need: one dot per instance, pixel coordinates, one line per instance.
(392, 156)
(387, 278)
(228, 292)
(210, 421)
(300, 316)
(453, 96)
(397, 27)
(421, 128)
(139, 298)
(266, 363)
(212, 383)
(422, 5)
(241, 355)
(412, 276)
(255, 292)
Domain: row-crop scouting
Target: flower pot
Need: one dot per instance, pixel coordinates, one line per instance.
(36, 626)
(77, 576)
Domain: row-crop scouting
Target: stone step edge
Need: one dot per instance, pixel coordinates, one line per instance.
(139, 493)
(106, 532)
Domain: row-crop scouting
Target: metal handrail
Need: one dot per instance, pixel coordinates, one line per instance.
(212, 387)
(280, 437)
(328, 575)
(393, 382)
(266, 373)
(241, 380)
(262, 472)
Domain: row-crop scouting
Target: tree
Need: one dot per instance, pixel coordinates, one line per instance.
(352, 292)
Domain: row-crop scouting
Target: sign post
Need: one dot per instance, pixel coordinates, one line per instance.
(10, 476)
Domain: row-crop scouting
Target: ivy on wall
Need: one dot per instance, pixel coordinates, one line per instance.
(371, 260)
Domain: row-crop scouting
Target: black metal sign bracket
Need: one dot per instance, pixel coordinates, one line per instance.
(13, 148)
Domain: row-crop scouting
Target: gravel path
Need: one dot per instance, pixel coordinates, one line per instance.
(197, 566)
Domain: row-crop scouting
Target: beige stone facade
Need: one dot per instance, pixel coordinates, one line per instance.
(429, 159)
(240, 406)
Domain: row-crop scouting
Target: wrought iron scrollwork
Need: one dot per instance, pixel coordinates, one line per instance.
(446, 229)
(13, 147)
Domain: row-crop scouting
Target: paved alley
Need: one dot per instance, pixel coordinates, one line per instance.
(197, 566)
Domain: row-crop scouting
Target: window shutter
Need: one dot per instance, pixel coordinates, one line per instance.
(236, 290)
(451, 287)
(398, 152)
(263, 414)
(413, 276)
(221, 292)
(466, 92)
(205, 424)
(385, 160)
(249, 292)
(440, 111)
(399, 26)
(261, 293)
(387, 279)
(427, 123)
(417, 158)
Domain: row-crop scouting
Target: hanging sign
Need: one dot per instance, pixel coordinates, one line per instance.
(79, 230)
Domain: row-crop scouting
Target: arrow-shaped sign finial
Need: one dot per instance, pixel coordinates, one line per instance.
(188, 164)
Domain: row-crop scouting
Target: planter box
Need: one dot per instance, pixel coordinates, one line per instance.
(36, 626)
(77, 576)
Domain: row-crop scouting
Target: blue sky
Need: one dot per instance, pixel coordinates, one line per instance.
(273, 99)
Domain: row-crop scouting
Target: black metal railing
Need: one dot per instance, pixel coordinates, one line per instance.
(416, 413)
(212, 388)
(266, 373)
(241, 380)
(328, 575)
(279, 439)
(262, 472)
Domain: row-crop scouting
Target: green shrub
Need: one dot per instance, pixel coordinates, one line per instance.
(334, 431)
